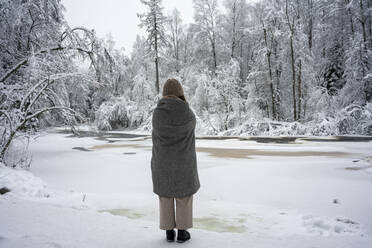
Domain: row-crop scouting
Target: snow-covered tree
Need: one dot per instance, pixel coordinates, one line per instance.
(235, 23)
(37, 51)
(207, 20)
(175, 34)
(154, 23)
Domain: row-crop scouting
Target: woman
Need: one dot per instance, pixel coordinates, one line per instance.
(173, 162)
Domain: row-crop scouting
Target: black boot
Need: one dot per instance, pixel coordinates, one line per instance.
(183, 236)
(171, 234)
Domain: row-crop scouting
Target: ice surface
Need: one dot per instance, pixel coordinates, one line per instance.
(277, 195)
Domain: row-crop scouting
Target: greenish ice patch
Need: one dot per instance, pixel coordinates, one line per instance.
(129, 213)
(217, 225)
(241, 220)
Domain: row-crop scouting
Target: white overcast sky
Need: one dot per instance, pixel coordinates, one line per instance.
(118, 17)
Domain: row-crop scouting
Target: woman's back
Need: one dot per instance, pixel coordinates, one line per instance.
(173, 162)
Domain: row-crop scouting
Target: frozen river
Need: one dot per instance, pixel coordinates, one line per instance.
(268, 190)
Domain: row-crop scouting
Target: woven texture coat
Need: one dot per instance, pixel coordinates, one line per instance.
(173, 161)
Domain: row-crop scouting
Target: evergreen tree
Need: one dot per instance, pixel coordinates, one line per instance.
(154, 23)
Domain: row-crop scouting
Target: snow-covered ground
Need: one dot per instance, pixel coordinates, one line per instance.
(97, 192)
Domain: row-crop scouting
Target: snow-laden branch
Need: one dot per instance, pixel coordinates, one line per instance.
(32, 102)
(58, 47)
(25, 61)
(50, 109)
(5, 113)
(28, 118)
(65, 33)
(30, 92)
(50, 80)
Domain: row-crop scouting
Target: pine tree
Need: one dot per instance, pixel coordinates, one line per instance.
(154, 23)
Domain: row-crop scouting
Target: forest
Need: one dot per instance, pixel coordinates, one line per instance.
(275, 134)
(270, 67)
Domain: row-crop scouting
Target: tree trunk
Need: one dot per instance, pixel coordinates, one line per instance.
(268, 56)
(214, 55)
(363, 22)
(157, 73)
(310, 35)
(233, 42)
(299, 89)
(177, 60)
(277, 75)
(241, 65)
(292, 31)
(156, 60)
(369, 6)
(7, 144)
(175, 34)
(323, 31)
(363, 48)
(351, 22)
(293, 78)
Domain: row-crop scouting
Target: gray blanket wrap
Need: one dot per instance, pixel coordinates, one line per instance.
(173, 161)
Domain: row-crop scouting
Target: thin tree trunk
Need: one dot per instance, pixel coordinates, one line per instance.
(157, 73)
(214, 55)
(177, 60)
(156, 60)
(277, 74)
(299, 89)
(175, 35)
(291, 29)
(323, 31)
(363, 48)
(7, 144)
(363, 22)
(351, 19)
(293, 78)
(310, 35)
(369, 6)
(233, 42)
(186, 46)
(242, 79)
(268, 56)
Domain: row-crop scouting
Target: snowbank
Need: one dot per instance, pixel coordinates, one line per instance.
(22, 183)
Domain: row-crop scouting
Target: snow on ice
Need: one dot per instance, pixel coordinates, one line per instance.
(297, 194)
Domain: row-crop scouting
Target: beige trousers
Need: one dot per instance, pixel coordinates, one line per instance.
(181, 218)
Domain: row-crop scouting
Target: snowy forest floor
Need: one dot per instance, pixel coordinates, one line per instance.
(97, 192)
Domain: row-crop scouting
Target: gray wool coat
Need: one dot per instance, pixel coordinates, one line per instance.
(173, 161)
